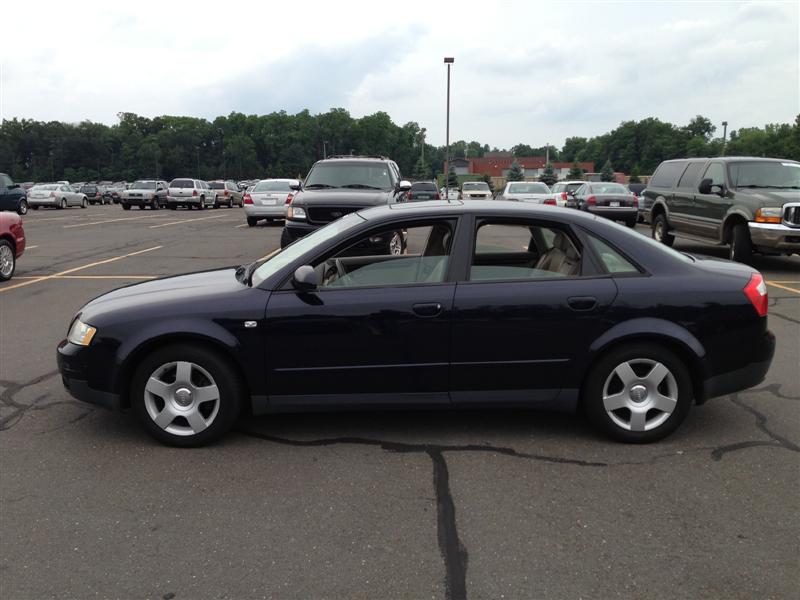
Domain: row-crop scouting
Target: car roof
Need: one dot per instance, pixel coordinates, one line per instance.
(732, 159)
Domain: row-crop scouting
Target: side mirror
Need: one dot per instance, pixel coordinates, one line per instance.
(295, 187)
(404, 186)
(705, 186)
(305, 279)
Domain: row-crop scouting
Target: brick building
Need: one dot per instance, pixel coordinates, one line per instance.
(499, 166)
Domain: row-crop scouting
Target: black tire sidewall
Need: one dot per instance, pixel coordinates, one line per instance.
(592, 394)
(225, 377)
(667, 239)
(741, 245)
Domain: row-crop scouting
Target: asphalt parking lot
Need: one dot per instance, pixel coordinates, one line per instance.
(435, 504)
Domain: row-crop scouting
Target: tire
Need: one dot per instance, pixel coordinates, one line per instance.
(63, 204)
(22, 209)
(659, 389)
(741, 249)
(396, 245)
(126, 206)
(202, 205)
(631, 223)
(252, 221)
(286, 238)
(154, 204)
(35, 207)
(84, 204)
(173, 206)
(660, 230)
(230, 203)
(176, 419)
(8, 262)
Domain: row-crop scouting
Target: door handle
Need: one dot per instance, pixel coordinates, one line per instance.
(582, 303)
(429, 309)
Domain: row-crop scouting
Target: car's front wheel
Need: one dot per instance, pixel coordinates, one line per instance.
(638, 393)
(126, 206)
(186, 395)
(741, 244)
(23, 207)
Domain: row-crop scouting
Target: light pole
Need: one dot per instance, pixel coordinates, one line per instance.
(448, 60)
(724, 136)
(324, 149)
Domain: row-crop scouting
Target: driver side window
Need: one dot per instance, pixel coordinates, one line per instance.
(417, 254)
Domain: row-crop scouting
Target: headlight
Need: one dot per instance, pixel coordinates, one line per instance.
(769, 215)
(80, 333)
(295, 212)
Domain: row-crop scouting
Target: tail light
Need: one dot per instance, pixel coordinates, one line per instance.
(194, 192)
(248, 199)
(564, 196)
(289, 198)
(550, 202)
(756, 292)
(591, 200)
(636, 201)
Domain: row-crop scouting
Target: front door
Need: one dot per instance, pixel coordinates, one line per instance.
(375, 331)
(530, 304)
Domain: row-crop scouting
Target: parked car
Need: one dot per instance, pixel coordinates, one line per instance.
(268, 200)
(607, 199)
(636, 189)
(564, 190)
(94, 193)
(191, 193)
(422, 190)
(475, 190)
(12, 196)
(750, 204)
(529, 191)
(449, 193)
(12, 243)
(114, 191)
(340, 185)
(56, 195)
(228, 194)
(569, 311)
(145, 192)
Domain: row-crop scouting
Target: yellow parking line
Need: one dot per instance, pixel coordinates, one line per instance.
(74, 269)
(109, 221)
(143, 277)
(242, 225)
(779, 281)
(270, 255)
(783, 287)
(186, 221)
(31, 247)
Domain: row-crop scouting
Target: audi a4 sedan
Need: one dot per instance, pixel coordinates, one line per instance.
(489, 304)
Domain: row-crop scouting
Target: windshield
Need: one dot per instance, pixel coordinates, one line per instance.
(303, 245)
(484, 187)
(143, 185)
(609, 188)
(362, 174)
(766, 174)
(273, 186)
(528, 188)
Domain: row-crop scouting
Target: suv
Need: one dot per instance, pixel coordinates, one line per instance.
(191, 193)
(12, 196)
(95, 193)
(751, 204)
(228, 193)
(422, 190)
(340, 185)
(144, 192)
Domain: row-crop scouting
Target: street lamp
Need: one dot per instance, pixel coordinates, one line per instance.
(325, 149)
(448, 60)
(724, 136)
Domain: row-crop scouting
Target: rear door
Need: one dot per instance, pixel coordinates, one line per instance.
(519, 325)
(692, 220)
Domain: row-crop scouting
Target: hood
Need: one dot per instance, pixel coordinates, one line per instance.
(170, 294)
(343, 197)
(769, 197)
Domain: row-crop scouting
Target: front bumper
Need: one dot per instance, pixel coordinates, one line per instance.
(75, 377)
(138, 201)
(775, 236)
(744, 377)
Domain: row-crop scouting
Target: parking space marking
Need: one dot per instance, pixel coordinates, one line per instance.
(270, 255)
(242, 225)
(109, 221)
(31, 247)
(75, 269)
(186, 221)
(783, 287)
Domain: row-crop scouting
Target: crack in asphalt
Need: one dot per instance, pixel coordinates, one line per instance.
(12, 388)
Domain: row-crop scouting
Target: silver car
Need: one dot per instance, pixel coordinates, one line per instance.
(529, 191)
(56, 196)
(191, 193)
(267, 200)
(475, 190)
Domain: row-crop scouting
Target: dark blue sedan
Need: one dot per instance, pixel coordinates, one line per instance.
(489, 304)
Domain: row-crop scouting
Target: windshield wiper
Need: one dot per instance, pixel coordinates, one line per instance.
(312, 186)
(361, 186)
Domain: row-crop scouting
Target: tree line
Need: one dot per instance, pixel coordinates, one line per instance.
(278, 144)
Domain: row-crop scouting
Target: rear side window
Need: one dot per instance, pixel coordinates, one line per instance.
(689, 177)
(667, 174)
(613, 260)
(182, 183)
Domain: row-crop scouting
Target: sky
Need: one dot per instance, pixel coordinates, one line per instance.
(525, 72)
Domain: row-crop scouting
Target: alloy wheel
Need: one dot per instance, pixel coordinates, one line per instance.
(659, 232)
(640, 394)
(396, 244)
(6, 261)
(23, 207)
(182, 398)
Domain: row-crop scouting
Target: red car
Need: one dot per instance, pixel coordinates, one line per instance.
(12, 243)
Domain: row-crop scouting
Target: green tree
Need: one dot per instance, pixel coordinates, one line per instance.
(420, 169)
(607, 172)
(522, 150)
(634, 178)
(452, 178)
(576, 172)
(488, 180)
(548, 177)
(515, 173)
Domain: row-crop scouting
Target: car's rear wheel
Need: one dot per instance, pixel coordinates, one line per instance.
(84, 204)
(63, 203)
(631, 223)
(22, 209)
(154, 204)
(186, 395)
(126, 206)
(661, 232)
(8, 262)
(202, 205)
(252, 221)
(741, 245)
(396, 243)
(638, 393)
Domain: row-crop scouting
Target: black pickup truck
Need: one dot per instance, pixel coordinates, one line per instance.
(750, 204)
